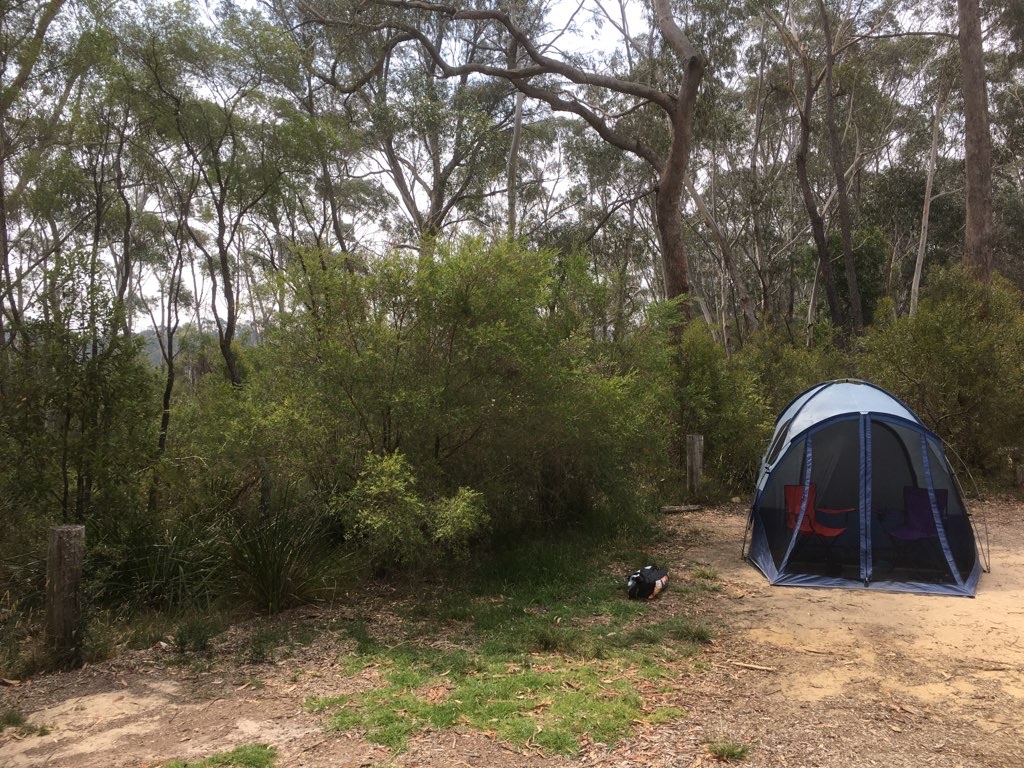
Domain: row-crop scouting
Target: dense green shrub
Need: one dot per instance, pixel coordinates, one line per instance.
(77, 425)
(720, 399)
(480, 365)
(870, 256)
(277, 554)
(733, 401)
(385, 512)
(958, 364)
(782, 370)
(146, 558)
(78, 419)
(408, 409)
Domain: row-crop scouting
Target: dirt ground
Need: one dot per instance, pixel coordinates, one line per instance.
(807, 678)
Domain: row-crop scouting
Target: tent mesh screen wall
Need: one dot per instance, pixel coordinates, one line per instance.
(860, 499)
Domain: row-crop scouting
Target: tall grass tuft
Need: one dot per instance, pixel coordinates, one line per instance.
(728, 751)
(143, 562)
(278, 555)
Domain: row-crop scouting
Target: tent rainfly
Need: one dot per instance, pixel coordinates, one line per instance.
(855, 492)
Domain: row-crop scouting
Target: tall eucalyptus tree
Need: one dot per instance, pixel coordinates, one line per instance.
(29, 126)
(442, 144)
(207, 97)
(978, 141)
(605, 98)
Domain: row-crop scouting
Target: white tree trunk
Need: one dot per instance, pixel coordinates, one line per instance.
(915, 286)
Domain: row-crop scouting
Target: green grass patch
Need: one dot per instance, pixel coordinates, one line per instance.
(11, 718)
(728, 751)
(705, 573)
(14, 719)
(550, 704)
(697, 588)
(540, 648)
(248, 756)
(687, 631)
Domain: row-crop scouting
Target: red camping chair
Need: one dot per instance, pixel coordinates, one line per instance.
(811, 525)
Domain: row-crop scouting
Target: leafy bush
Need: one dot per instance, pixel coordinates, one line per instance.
(783, 369)
(721, 400)
(78, 411)
(415, 406)
(398, 526)
(957, 364)
(481, 367)
(147, 559)
(733, 401)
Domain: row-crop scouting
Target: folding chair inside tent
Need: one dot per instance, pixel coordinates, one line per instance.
(917, 539)
(918, 521)
(810, 525)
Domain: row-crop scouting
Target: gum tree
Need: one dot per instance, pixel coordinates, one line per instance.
(977, 142)
(605, 97)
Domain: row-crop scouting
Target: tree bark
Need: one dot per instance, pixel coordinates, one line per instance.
(811, 205)
(915, 286)
(513, 166)
(756, 195)
(978, 142)
(804, 107)
(812, 308)
(839, 172)
(672, 179)
(694, 462)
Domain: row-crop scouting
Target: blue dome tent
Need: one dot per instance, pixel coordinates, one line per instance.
(854, 491)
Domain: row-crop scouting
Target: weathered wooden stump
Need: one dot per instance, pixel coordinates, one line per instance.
(694, 462)
(64, 592)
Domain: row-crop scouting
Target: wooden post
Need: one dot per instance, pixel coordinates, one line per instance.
(63, 592)
(1020, 476)
(694, 461)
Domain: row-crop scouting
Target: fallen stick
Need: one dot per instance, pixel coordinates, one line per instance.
(671, 509)
(752, 666)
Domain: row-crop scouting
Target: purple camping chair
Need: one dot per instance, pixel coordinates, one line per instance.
(918, 522)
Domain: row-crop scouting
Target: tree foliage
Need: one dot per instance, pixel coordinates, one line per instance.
(931, 361)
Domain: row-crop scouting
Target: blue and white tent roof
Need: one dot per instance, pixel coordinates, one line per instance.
(824, 401)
